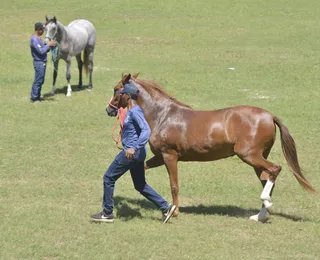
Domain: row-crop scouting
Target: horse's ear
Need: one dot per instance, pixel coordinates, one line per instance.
(54, 19)
(126, 79)
(136, 75)
(47, 18)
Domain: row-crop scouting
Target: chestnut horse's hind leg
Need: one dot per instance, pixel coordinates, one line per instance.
(269, 172)
(153, 162)
(171, 162)
(263, 177)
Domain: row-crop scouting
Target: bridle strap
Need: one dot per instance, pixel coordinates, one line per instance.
(111, 105)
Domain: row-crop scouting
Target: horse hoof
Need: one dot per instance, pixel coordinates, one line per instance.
(175, 213)
(258, 218)
(68, 95)
(51, 93)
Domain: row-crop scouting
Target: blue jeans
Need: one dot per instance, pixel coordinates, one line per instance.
(136, 166)
(40, 72)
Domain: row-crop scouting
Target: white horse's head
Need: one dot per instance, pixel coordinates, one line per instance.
(51, 28)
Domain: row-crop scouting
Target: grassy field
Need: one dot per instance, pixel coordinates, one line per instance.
(54, 154)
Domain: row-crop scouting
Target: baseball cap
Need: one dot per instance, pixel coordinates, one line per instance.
(38, 26)
(130, 89)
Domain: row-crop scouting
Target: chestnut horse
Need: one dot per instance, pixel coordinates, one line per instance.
(179, 133)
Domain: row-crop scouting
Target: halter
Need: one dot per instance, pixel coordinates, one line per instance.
(113, 106)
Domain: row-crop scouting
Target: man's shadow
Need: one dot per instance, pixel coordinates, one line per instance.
(128, 209)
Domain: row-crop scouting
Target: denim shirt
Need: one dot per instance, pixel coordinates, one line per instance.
(136, 131)
(38, 49)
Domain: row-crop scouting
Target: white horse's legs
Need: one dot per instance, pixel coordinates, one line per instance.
(53, 90)
(69, 90)
(55, 74)
(80, 65)
(89, 51)
(68, 61)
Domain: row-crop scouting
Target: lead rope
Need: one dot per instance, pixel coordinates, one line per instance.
(55, 51)
(120, 120)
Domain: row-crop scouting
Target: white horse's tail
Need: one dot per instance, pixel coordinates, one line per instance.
(86, 60)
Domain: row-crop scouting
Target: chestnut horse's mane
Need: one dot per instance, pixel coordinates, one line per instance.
(152, 84)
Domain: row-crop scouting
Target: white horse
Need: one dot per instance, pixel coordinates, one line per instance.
(78, 36)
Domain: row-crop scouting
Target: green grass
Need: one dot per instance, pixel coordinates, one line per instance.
(54, 154)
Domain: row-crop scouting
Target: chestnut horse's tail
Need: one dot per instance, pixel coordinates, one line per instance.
(290, 153)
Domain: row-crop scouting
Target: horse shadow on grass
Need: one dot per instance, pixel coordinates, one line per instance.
(128, 209)
(75, 88)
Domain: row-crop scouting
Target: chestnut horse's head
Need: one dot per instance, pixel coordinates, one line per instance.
(116, 100)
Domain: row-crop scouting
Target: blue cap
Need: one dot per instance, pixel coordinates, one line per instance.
(38, 26)
(130, 89)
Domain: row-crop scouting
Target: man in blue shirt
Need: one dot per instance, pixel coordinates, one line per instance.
(39, 55)
(135, 135)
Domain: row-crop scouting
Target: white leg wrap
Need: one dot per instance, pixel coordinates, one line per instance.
(265, 195)
(261, 216)
(267, 204)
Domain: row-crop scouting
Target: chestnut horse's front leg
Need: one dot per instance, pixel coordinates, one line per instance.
(171, 162)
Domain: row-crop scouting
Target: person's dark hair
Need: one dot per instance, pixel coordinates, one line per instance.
(38, 26)
(133, 96)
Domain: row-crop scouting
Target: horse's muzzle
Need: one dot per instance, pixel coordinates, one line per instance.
(46, 40)
(111, 111)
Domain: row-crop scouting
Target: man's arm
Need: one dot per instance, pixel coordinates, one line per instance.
(145, 130)
(38, 48)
